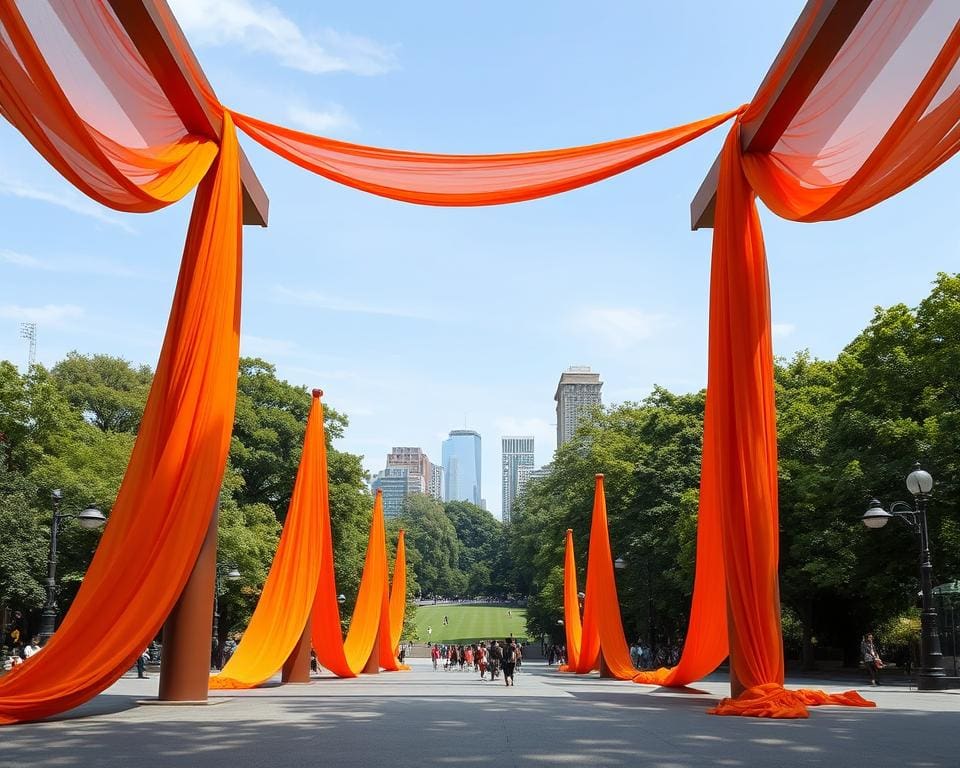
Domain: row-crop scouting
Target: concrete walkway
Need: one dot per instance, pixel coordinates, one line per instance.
(427, 718)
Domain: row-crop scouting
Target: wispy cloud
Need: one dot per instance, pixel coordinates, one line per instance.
(72, 265)
(782, 330)
(330, 120)
(48, 314)
(619, 328)
(318, 300)
(262, 346)
(70, 201)
(260, 27)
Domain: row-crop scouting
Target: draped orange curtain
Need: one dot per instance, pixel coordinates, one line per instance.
(346, 657)
(572, 625)
(468, 180)
(163, 508)
(113, 156)
(288, 594)
(398, 608)
(602, 629)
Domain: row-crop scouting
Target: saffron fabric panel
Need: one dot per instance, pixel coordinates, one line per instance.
(601, 608)
(397, 609)
(573, 628)
(284, 606)
(347, 657)
(163, 508)
(468, 180)
(103, 123)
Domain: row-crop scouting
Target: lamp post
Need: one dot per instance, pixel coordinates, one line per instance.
(224, 573)
(88, 518)
(931, 676)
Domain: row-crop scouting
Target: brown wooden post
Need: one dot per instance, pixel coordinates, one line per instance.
(604, 669)
(296, 669)
(373, 663)
(188, 632)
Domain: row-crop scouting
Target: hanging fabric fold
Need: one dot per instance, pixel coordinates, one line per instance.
(602, 628)
(173, 478)
(573, 627)
(288, 594)
(398, 608)
(468, 180)
(347, 657)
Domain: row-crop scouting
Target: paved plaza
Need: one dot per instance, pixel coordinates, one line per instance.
(441, 718)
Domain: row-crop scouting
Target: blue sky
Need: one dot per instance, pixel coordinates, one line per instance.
(420, 320)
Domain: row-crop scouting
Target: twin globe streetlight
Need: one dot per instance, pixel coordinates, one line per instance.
(931, 676)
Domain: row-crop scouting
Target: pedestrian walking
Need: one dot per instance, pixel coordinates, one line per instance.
(496, 659)
(871, 659)
(435, 655)
(510, 657)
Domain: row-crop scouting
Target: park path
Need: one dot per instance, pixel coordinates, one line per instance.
(427, 718)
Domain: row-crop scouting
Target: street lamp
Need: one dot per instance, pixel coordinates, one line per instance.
(224, 573)
(619, 564)
(931, 676)
(88, 518)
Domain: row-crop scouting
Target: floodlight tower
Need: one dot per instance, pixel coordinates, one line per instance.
(28, 331)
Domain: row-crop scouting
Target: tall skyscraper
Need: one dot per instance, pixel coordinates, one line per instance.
(396, 483)
(525, 475)
(435, 486)
(413, 460)
(577, 392)
(516, 456)
(461, 466)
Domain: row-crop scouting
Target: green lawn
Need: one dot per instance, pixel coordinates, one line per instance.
(468, 623)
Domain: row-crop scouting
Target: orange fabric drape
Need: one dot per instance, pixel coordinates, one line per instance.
(288, 594)
(468, 180)
(371, 613)
(572, 625)
(130, 170)
(602, 628)
(163, 509)
(398, 608)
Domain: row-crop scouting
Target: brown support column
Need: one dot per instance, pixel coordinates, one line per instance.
(373, 663)
(604, 669)
(296, 669)
(736, 687)
(188, 632)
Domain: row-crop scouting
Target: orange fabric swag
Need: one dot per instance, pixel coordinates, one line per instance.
(173, 478)
(284, 606)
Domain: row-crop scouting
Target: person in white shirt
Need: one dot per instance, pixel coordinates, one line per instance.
(31, 648)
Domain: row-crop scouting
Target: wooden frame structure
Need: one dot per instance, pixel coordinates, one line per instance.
(154, 30)
(813, 43)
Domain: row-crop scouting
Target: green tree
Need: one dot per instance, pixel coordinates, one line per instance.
(109, 391)
(433, 551)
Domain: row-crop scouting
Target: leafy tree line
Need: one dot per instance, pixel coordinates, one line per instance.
(73, 427)
(849, 430)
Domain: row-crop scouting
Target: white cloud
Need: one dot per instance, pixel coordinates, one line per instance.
(261, 346)
(334, 118)
(48, 314)
(69, 200)
(310, 298)
(73, 265)
(782, 330)
(619, 328)
(260, 27)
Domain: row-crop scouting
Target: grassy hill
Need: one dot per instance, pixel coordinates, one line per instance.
(468, 623)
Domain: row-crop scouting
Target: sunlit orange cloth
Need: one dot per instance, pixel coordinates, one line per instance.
(346, 658)
(398, 608)
(287, 598)
(112, 133)
(468, 180)
(162, 511)
(601, 607)
(573, 628)
(774, 701)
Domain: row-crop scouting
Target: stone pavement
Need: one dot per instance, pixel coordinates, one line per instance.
(427, 718)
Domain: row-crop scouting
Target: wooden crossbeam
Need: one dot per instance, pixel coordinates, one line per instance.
(813, 43)
(155, 32)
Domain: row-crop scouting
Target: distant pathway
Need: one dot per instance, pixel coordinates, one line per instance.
(427, 718)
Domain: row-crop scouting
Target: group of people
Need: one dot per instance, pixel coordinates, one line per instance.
(556, 654)
(496, 658)
(646, 656)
